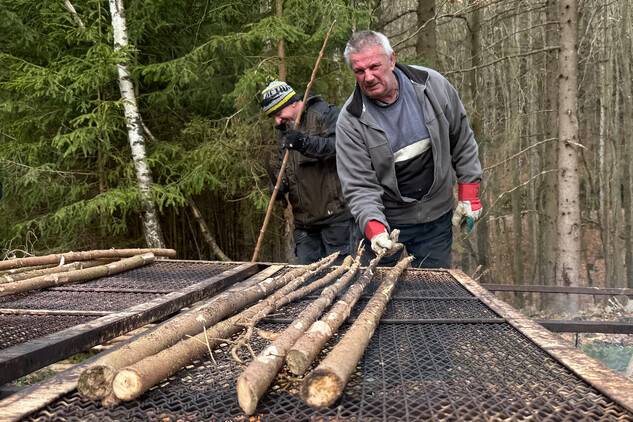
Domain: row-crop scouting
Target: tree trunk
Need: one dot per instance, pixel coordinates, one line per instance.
(426, 45)
(81, 256)
(323, 386)
(569, 227)
(306, 349)
(206, 233)
(482, 229)
(256, 378)
(281, 53)
(134, 380)
(547, 202)
(151, 224)
(625, 132)
(59, 279)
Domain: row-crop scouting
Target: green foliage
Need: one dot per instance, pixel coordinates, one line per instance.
(65, 159)
(614, 356)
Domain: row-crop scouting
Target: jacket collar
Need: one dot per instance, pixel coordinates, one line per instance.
(415, 74)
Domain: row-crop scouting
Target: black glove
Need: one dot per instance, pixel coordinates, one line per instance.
(294, 139)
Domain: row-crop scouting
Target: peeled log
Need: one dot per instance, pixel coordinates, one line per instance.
(308, 347)
(82, 256)
(134, 380)
(76, 276)
(31, 272)
(255, 380)
(323, 386)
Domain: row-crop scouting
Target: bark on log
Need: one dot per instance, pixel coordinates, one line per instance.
(323, 386)
(95, 382)
(79, 265)
(255, 380)
(307, 348)
(76, 276)
(82, 256)
(134, 380)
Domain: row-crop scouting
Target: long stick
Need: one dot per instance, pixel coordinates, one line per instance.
(86, 274)
(285, 160)
(323, 386)
(82, 256)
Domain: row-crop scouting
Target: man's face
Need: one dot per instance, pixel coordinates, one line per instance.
(374, 73)
(287, 115)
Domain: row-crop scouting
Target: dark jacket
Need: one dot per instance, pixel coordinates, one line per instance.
(310, 178)
(366, 162)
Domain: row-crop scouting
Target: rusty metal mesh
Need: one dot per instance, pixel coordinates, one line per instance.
(160, 278)
(16, 329)
(410, 372)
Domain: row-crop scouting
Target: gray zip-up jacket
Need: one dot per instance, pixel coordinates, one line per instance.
(365, 160)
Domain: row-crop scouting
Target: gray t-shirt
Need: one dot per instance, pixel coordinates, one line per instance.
(404, 125)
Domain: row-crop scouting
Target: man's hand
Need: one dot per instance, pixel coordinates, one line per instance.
(386, 243)
(468, 208)
(294, 139)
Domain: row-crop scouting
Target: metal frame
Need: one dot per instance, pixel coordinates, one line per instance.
(607, 381)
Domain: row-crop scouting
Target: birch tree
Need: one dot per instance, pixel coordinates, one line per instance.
(568, 254)
(134, 123)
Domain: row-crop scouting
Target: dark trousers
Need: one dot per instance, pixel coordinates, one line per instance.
(430, 243)
(318, 241)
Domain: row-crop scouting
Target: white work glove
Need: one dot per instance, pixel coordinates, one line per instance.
(386, 243)
(468, 208)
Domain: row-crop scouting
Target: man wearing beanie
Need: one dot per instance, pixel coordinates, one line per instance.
(323, 222)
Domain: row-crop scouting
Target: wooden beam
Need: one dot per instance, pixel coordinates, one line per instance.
(21, 359)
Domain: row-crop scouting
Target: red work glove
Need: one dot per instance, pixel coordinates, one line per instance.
(381, 240)
(468, 208)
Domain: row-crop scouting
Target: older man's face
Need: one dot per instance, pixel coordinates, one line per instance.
(374, 73)
(287, 115)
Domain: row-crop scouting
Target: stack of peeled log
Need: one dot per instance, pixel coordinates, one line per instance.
(19, 275)
(130, 371)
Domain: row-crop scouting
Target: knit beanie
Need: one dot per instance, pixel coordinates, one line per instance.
(276, 96)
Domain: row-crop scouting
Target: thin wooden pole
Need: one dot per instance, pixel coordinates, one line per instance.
(285, 160)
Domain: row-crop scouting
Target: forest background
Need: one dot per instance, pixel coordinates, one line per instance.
(546, 84)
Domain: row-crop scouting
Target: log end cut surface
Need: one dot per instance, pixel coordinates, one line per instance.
(95, 382)
(127, 385)
(298, 362)
(246, 396)
(321, 388)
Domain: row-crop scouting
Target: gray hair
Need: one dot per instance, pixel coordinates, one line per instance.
(367, 39)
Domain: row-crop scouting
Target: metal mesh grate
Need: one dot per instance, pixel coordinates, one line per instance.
(16, 329)
(161, 276)
(419, 309)
(419, 283)
(77, 301)
(412, 372)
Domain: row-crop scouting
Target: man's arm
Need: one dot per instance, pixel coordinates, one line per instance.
(358, 179)
(316, 146)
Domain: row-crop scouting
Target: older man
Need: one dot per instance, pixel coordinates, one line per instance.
(403, 139)
(323, 222)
